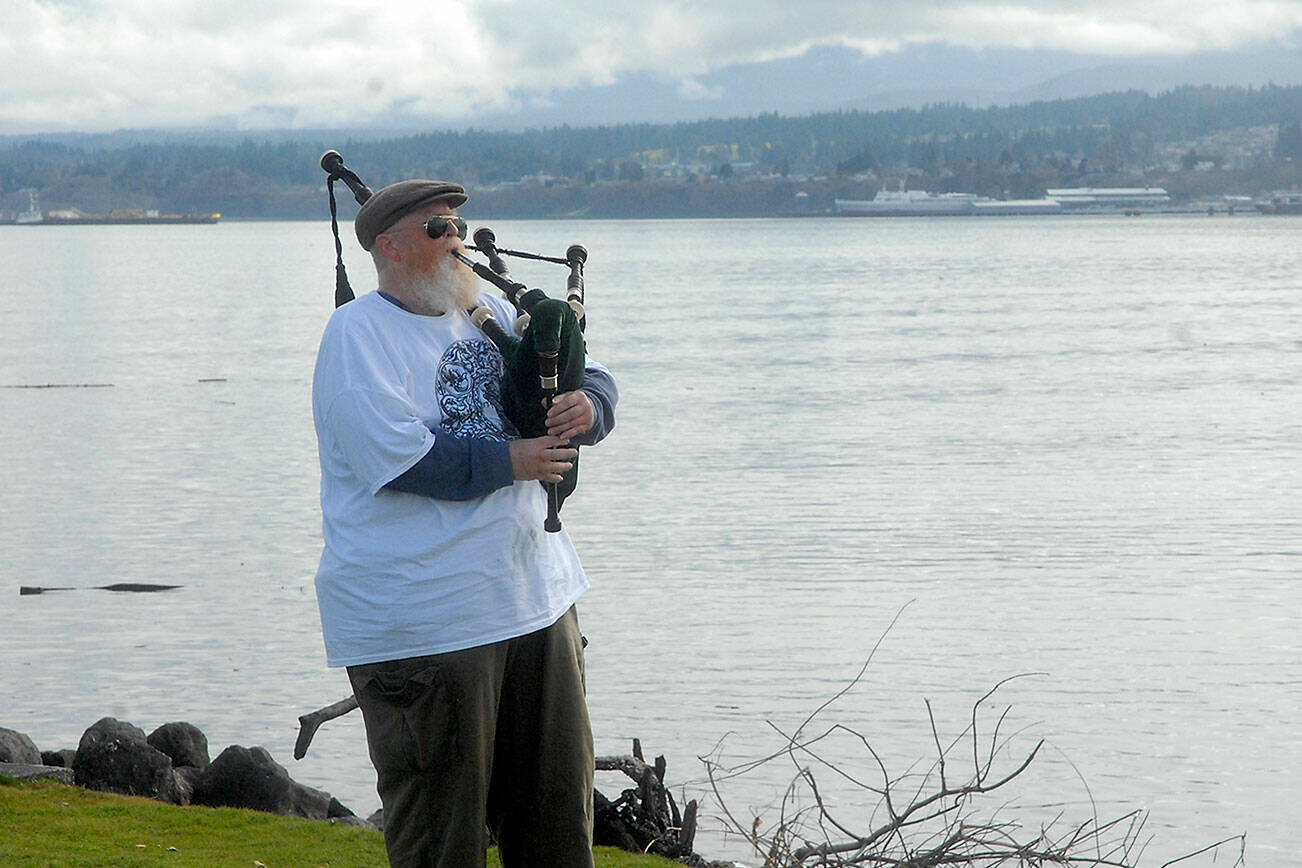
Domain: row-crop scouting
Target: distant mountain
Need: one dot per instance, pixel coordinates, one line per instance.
(830, 78)
(1215, 68)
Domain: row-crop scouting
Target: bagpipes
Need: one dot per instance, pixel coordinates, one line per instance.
(547, 356)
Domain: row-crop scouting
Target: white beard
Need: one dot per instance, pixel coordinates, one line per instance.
(450, 285)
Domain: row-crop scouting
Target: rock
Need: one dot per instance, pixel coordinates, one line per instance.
(376, 820)
(354, 821)
(183, 742)
(115, 757)
(18, 748)
(186, 778)
(26, 772)
(243, 777)
(58, 758)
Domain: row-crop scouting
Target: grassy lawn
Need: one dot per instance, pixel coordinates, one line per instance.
(48, 825)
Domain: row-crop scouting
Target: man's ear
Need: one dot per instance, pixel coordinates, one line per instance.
(384, 244)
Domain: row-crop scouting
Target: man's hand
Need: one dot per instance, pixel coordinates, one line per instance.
(541, 458)
(571, 414)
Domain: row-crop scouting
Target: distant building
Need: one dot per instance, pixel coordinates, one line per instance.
(1109, 198)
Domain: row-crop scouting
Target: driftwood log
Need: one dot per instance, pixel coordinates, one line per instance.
(644, 819)
(132, 587)
(309, 723)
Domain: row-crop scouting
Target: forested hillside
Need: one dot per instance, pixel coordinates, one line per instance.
(1194, 141)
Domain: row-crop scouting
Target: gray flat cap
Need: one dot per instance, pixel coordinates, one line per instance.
(390, 203)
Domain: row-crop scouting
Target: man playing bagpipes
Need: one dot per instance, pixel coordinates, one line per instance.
(439, 590)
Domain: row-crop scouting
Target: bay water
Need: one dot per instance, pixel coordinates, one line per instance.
(1067, 448)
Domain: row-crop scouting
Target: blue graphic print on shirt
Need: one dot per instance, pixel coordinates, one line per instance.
(469, 391)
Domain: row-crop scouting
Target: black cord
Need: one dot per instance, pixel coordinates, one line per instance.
(343, 291)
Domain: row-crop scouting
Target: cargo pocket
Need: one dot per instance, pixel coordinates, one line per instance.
(398, 683)
(400, 702)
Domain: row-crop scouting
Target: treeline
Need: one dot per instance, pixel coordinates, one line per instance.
(739, 165)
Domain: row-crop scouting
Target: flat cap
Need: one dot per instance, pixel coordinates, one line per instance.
(390, 203)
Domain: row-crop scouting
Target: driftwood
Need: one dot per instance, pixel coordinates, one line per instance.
(309, 723)
(132, 587)
(645, 818)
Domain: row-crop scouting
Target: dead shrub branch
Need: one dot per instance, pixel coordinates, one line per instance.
(943, 820)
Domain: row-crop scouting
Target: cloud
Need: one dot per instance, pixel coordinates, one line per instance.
(98, 64)
(1118, 28)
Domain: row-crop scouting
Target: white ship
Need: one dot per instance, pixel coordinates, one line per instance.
(1282, 202)
(919, 203)
(33, 212)
(34, 216)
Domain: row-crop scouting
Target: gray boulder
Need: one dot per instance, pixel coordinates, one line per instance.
(58, 758)
(244, 777)
(354, 821)
(18, 748)
(183, 742)
(115, 757)
(25, 772)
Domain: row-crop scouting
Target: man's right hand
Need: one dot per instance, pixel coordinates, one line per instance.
(541, 458)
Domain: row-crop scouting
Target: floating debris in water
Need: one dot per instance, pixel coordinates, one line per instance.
(57, 386)
(132, 587)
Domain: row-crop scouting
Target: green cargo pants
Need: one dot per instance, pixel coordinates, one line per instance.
(489, 737)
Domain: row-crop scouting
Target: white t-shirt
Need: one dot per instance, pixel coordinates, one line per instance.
(404, 575)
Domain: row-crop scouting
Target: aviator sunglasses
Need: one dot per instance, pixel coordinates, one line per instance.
(437, 227)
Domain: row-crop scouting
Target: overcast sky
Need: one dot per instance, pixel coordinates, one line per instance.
(109, 64)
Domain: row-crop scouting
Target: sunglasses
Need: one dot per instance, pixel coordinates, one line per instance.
(437, 227)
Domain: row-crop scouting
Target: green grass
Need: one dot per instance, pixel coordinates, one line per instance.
(49, 825)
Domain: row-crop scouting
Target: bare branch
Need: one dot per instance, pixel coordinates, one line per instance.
(940, 752)
(1238, 861)
(935, 825)
(854, 681)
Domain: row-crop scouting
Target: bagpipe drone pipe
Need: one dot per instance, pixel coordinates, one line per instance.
(543, 353)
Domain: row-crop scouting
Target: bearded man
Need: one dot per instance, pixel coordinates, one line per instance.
(451, 608)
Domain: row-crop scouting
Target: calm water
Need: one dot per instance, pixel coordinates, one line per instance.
(1063, 446)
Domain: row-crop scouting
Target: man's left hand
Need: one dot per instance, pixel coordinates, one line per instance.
(571, 414)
